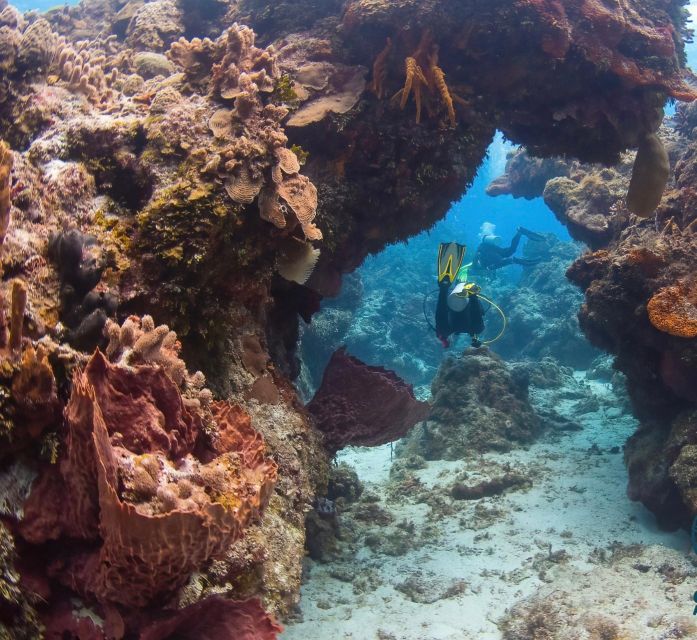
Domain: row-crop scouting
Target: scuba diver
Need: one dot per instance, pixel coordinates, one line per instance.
(459, 310)
(490, 256)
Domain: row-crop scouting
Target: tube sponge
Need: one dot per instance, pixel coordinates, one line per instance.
(649, 176)
(5, 184)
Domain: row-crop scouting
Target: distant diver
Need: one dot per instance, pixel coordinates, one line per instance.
(459, 310)
(490, 256)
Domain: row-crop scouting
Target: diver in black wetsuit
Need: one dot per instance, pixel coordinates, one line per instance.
(490, 256)
(459, 310)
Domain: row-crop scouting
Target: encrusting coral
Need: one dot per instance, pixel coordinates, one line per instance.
(674, 310)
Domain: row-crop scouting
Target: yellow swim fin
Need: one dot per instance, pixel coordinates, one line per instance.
(450, 257)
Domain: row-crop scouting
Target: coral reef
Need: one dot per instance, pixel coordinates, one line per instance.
(361, 405)
(539, 324)
(526, 177)
(641, 283)
(594, 201)
(568, 33)
(639, 306)
(478, 405)
(176, 186)
(386, 323)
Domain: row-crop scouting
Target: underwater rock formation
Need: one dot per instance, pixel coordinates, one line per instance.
(652, 348)
(162, 130)
(592, 201)
(478, 405)
(539, 324)
(525, 176)
(640, 306)
(361, 405)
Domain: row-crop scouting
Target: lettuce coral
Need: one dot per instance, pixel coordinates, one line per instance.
(249, 151)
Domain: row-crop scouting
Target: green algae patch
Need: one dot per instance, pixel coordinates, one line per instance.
(182, 223)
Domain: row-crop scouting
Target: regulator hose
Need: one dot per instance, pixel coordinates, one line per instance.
(428, 294)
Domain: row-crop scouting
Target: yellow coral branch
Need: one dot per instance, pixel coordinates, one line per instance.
(380, 70)
(438, 76)
(414, 79)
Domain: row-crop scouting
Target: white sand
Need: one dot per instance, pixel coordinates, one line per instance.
(577, 504)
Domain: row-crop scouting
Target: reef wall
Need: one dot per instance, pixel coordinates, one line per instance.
(640, 304)
(164, 164)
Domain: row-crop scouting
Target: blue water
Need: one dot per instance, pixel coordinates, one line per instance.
(463, 224)
(41, 5)
(465, 217)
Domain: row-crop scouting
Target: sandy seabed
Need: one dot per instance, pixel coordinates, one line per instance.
(568, 558)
